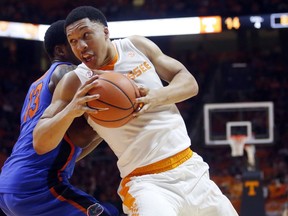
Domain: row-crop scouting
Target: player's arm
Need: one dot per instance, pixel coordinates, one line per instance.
(58, 74)
(68, 102)
(182, 84)
(80, 132)
(83, 136)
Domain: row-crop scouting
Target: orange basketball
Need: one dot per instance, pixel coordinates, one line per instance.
(118, 93)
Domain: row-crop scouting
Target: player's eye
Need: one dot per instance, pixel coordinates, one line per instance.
(86, 35)
(72, 42)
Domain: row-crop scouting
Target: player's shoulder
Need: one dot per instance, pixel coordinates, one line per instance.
(81, 67)
(142, 43)
(145, 45)
(70, 78)
(66, 67)
(135, 39)
(58, 73)
(68, 85)
(62, 69)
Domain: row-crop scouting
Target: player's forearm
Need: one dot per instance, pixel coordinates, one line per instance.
(49, 132)
(183, 86)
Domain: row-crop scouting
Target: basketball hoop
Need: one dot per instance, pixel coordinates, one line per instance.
(237, 143)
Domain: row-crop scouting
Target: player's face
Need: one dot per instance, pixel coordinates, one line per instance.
(88, 41)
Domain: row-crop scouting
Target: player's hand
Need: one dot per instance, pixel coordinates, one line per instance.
(143, 101)
(90, 84)
(81, 97)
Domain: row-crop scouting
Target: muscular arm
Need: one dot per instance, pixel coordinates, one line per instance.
(68, 103)
(182, 84)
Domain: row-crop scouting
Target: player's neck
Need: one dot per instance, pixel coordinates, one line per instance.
(111, 59)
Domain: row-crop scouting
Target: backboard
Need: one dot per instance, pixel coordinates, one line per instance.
(252, 119)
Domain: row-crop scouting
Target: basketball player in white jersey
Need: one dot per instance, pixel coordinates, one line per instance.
(161, 175)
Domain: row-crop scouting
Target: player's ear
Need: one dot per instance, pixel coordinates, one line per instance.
(59, 50)
(106, 32)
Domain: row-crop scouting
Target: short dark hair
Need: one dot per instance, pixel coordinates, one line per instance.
(55, 35)
(82, 12)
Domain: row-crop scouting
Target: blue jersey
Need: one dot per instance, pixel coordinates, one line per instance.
(25, 171)
(32, 184)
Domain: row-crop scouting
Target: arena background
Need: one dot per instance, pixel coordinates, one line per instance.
(264, 50)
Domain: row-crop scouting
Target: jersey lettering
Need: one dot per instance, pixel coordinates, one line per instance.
(137, 71)
(34, 100)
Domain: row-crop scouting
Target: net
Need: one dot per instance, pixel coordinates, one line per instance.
(237, 143)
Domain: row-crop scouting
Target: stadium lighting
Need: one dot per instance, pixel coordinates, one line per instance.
(119, 29)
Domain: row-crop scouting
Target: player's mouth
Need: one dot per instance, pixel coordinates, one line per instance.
(87, 58)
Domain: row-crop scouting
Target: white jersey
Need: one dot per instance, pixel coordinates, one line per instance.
(155, 135)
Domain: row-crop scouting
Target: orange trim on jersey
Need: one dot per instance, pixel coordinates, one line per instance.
(61, 198)
(54, 192)
(128, 199)
(157, 167)
(69, 158)
(111, 64)
(165, 164)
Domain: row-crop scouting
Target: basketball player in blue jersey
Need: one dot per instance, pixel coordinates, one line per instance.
(161, 175)
(35, 184)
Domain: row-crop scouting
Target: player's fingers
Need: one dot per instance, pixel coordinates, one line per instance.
(143, 108)
(88, 98)
(139, 107)
(142, 100)
(88, 85)
(95, 110)
(90, 80)
(143, 90)
(92, 108)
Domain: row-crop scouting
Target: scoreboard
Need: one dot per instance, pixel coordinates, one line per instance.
(279, 20)
(262, 21)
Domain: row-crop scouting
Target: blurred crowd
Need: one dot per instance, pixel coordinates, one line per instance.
(267, 80)
(43, 12)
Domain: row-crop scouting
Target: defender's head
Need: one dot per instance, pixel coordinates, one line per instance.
(56, 44)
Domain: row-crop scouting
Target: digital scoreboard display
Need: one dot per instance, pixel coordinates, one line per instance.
(263, 21)
(279, 20)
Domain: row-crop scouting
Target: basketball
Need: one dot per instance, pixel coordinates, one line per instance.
(117, 93)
